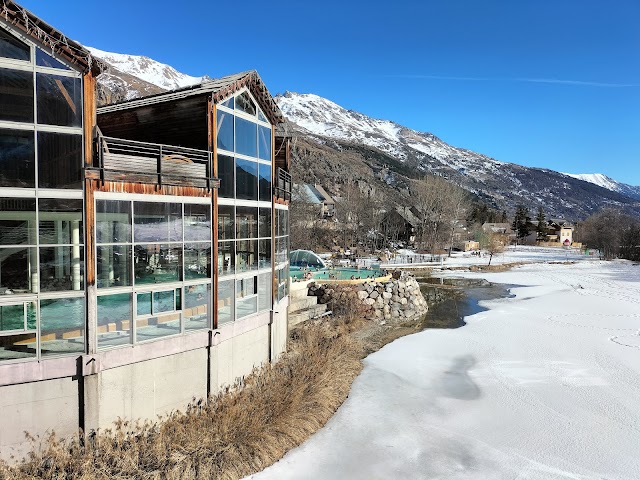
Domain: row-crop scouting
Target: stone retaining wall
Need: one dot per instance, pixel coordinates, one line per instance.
(396, 299)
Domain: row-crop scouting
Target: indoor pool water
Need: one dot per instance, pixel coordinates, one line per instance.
(339, 274)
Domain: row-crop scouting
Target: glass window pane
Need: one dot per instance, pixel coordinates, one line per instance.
(264, 292)
(226, 258)
(11, 47)
(61, 268)
(18, 346)
(17, 158)
(246, 255)
(264, 142)
(246, 222)
(45, 60)
(157, 263)
(197, 222)
(229, 103)
(197, 261)
(21, 316)
(244, 103)
(18, 271)
(226, 221)
(261, 116)
(264, 222)
(157, 222)
(226, 297)
(59, 160)
(113, 266)
(247, 301)
(163, 301)
(143, 303)
(62, 324)
(114, 320)
(197, 307)
(113, 221)
(226, 174)
(16, 96)
(17, 221)
(246, 180)
(264, 253)
(246, 137)
(59, 100)
(225, 131)
(265, 183)
(60, 221)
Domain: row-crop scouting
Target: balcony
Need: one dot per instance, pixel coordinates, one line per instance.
(122, 160)
(282, 185)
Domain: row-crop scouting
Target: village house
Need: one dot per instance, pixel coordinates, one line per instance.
(143, 245)
(315, 195)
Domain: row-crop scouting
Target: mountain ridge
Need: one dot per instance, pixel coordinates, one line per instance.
(380, 143)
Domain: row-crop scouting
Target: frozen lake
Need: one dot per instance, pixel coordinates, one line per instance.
(543, 385)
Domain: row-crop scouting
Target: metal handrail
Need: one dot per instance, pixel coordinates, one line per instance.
(157, 154)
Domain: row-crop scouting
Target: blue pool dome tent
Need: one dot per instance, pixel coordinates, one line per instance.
(305, 258)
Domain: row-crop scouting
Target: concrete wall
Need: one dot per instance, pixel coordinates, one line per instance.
(37, 408)
(142, 381)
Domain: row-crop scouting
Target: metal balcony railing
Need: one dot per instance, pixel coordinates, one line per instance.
(132, 161)
(282, 185)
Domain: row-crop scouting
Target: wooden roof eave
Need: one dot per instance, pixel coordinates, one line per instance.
(218, 89)
(47, 36)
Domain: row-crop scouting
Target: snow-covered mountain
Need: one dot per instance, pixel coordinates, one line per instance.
(503, 184)
(608, 183)
(149, 70)
(391, 153)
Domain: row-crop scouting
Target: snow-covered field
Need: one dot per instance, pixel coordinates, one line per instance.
(544, 385)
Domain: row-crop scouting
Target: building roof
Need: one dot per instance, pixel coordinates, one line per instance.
(219, 88)
(407, 214)
(41, 32)
(314, 194)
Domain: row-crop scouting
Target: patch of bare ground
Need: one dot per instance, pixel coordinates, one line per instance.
(236, 433)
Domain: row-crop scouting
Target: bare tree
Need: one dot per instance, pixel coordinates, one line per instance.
(441, 204)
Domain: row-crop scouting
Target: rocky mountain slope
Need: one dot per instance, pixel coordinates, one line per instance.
(383, 156)
(609, 183)
(410, 153)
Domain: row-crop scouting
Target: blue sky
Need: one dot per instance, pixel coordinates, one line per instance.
(546, 83)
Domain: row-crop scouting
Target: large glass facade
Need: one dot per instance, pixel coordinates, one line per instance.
(42, 252)
(153, 268)
(245, 246)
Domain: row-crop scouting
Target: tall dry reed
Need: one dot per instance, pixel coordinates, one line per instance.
(238, 432)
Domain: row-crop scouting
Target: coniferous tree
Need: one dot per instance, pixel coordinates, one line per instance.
(541, 228)
(521, 221)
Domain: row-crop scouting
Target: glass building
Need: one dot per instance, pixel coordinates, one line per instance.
(136, 236)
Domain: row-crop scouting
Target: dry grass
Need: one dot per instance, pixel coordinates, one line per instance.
(239, 432)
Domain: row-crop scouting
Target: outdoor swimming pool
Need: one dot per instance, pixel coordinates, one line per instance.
(334, 274)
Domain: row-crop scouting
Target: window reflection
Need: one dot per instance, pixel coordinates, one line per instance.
(113, 221)
(246, 137)
(246, 255)
(18, 270)
(59, 160)
(225, 131)
(245, 104)
(157, 222)
(17, 158)
(60, 221)
(226, 222)
(226, 258)
(197, 260)
(157, 263)
(59, 100)
(226, 173)
(113, 266)
(61, 268)
(264, 142)
(17, 221)
(246, 180)
(16, 96)
(197, 222)
(62, 323)
(11, 47)
(246, 222)
(265, 182)
(226, 296)
(114, 320)
(196, 306)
